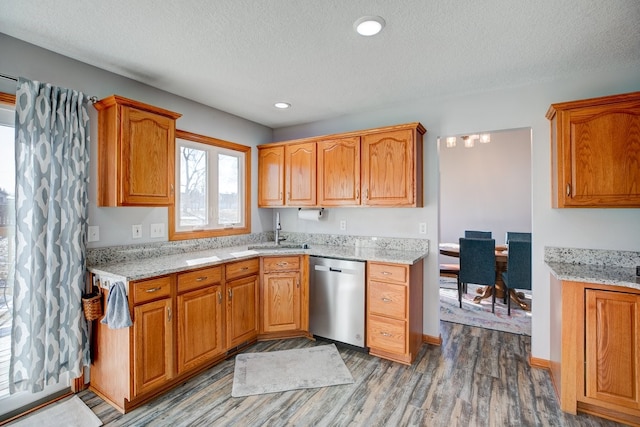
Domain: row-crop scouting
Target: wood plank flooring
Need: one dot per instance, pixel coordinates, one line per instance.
(478, 377)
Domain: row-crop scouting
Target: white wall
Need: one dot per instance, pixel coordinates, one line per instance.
(518, 107)
(23, 59)
(486, 187)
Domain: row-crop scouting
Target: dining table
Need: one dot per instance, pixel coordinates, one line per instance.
(502, 255)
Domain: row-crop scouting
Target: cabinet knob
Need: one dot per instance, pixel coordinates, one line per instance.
(568, 189)
(149, 291)
(219, 297)
(282, 264)
(201, 278)
(385, 334)
(386, 299)
(385, 273)
(230, 294)
(169, 314)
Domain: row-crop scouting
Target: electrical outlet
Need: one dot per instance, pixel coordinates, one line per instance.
(422, 228)
(157, 230)
(136, 231)
(93, 233)
(343, 224)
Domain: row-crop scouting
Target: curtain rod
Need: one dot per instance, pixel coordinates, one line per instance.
(93, 99)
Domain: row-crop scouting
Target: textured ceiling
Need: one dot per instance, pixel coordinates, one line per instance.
(241, 56)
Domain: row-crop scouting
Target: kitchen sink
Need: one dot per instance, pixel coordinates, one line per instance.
(271, 246)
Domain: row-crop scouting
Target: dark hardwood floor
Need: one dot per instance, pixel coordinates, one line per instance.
(478, 377)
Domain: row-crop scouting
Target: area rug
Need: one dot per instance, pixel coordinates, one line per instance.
(479, 314)
(276, 371)
(71, 412)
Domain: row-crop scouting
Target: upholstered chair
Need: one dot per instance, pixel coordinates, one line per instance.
(518, 274)
(477, 265)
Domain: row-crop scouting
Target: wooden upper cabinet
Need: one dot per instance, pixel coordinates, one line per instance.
(339, 172)
(300, 174)
(374, 167)
(596, 152)
(136, 153)
(392, 168)
(271, 176)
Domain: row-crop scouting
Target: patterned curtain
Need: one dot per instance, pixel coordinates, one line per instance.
(49, 334)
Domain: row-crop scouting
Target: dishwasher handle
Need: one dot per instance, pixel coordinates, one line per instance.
(337, 270)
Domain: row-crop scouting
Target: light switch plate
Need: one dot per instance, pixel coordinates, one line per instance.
(422, 228)
(93, 233)
(157, 230)
(136, 231)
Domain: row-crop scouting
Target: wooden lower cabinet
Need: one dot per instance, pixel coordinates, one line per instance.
(152, 345)
(242, 311)
(596, 358)
(200, 318)
(131, 365)
(284, 297)
(394, 310)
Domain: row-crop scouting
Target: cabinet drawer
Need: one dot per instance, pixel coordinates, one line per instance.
(199, 278)
(388, 299)
(291, 263)
(151, 289)
(389, 272)
(242, 268)
(386, 334)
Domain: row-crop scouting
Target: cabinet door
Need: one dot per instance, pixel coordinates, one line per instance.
(242, 310)
(152, 345)
(199, 327)
(148, 157)
(271, 176)
(339, 172)
(300, 170)
(612, 369)
(596, 152)
(388, 169)
(281, 302)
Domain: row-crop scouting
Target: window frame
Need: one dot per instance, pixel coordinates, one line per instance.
(246, 200)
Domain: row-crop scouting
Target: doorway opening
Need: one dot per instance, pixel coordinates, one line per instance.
(485, 184)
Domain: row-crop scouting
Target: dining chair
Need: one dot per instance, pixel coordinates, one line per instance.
(517, 235)
(518, 274)
(477, 265)
(473, 234)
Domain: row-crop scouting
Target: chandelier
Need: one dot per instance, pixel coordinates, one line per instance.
(468, 140)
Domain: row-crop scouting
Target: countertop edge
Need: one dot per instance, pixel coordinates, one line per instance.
(170, 264)
(596, 274)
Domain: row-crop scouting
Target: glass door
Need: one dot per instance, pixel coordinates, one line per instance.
(10, 403)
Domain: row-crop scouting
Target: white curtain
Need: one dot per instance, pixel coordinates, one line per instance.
(49, 333)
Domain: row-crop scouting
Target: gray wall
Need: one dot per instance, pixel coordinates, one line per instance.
(487, 187)
(23, 59)
(521, 107)
(512, 108)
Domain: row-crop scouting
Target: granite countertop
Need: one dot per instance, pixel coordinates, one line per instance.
(596, 273)
(145, 268)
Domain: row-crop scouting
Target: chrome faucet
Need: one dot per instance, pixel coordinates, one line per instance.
(278, 239)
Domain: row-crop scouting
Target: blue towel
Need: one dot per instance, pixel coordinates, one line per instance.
(117, 308)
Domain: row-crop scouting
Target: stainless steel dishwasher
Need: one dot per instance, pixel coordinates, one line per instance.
(336, 300)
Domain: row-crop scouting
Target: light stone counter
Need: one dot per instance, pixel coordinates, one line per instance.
(616, 268)
(145, 267)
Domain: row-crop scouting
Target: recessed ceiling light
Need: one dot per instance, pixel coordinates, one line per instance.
(282, 105)
(369, 25)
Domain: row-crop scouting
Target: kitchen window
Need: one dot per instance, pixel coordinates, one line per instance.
(212, 192)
